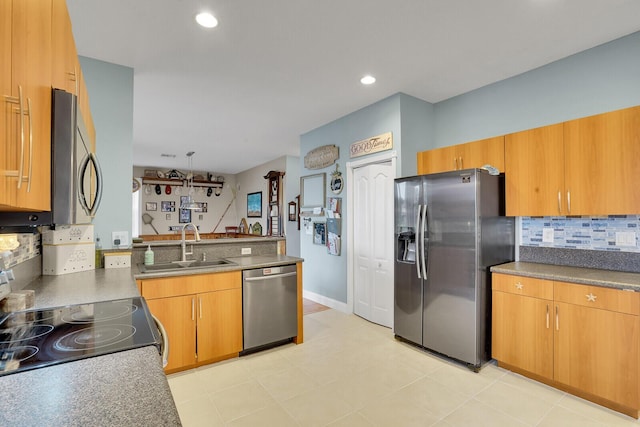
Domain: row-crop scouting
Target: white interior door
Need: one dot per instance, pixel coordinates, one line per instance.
(373, 243)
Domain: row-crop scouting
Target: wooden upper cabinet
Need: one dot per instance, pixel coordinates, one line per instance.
(85, 109)
(488, 151)
(463, 156)
(602, 157)
(65, 64)
(8, 137)
(26, 134)
(534, 171)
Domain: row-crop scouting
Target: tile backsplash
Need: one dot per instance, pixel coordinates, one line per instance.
(605, 233)
(29, 248)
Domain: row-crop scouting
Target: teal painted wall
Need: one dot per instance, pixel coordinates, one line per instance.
(110, 88)
(601, 79)
(326, 274)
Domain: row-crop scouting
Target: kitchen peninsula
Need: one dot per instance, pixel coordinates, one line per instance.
(127, 387)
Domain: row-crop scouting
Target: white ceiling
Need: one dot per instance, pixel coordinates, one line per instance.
(241, 94)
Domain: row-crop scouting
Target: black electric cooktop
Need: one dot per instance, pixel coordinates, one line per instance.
(37, 338)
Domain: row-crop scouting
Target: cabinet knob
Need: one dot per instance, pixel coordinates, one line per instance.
(519, 286)
(591, 297)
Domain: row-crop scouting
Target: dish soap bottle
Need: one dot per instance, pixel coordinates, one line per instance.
(148, 256)
(98, 260)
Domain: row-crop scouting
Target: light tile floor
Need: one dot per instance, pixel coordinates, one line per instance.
(350, 372)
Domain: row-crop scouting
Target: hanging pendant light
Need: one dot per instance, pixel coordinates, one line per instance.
(189, 203)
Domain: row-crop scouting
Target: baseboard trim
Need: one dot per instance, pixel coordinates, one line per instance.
(329, 302)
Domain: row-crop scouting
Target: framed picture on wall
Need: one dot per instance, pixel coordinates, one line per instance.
(319, 233)
(185, 216)
(254, 205)
(168, 206)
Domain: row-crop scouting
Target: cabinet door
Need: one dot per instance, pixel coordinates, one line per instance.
(31, 71)
(438, 160)
(601, 162)
(486, 151)
(596, 351)
(219, 324)
(534, 172)
(178, 316)
(8, 136)
(65, 61)
(522, 334)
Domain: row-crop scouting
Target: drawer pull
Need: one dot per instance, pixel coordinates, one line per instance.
(519, 286)
(591, 297)
(557, 320)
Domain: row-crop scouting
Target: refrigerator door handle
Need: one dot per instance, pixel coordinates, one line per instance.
(418, 217)
(423, 257)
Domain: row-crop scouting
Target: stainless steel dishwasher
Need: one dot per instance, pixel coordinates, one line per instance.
(269, 305)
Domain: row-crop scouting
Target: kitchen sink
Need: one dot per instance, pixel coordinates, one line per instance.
(183, 265)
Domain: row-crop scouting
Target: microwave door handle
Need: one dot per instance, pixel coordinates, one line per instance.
(417, 237)
(82, 196)
(98, 199)
(424, 231)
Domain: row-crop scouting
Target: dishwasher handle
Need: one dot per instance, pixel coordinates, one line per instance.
(272, 276)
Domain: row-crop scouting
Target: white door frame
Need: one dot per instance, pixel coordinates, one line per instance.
(378, 158)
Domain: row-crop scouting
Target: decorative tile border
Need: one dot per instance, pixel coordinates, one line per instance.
(607, 233)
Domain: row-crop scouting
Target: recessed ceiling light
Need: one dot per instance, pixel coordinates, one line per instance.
(207, 20)
(368, 80)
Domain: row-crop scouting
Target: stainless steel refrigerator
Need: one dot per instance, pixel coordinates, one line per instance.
(450, 229)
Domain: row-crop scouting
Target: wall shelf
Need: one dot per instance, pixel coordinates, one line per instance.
(182, 182)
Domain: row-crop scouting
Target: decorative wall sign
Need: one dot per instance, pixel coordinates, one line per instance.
(151, 206)
(321, 157)
(372, 145)
(336, 181)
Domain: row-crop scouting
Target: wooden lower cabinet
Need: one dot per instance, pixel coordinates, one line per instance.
(586, 343)
(521, 334)
(175, 314)
(202, 315)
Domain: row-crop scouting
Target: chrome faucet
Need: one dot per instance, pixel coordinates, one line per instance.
(183, 245)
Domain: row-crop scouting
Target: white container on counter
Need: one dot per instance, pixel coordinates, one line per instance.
(65, 259)
(64, 234)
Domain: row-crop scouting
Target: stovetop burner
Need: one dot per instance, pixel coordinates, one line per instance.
(37, 338)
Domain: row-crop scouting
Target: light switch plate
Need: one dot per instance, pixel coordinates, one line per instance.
(547, 235)
(625, 238)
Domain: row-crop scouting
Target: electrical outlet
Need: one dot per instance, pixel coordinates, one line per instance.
(120, 238)
(245, 251)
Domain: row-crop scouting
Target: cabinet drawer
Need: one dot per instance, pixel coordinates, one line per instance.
(188, 285)
(520, 285)
(597, 297)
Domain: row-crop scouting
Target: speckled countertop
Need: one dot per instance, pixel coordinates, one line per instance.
(127, 388)
(585, 276)
(123, 388)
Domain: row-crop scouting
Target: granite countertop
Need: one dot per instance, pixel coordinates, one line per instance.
(585, 276)
(246, 262)
(83, 287)
(122, 388)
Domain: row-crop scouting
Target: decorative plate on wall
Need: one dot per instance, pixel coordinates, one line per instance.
(136, 185)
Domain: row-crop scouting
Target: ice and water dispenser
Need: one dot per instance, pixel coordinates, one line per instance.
(406, 241)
